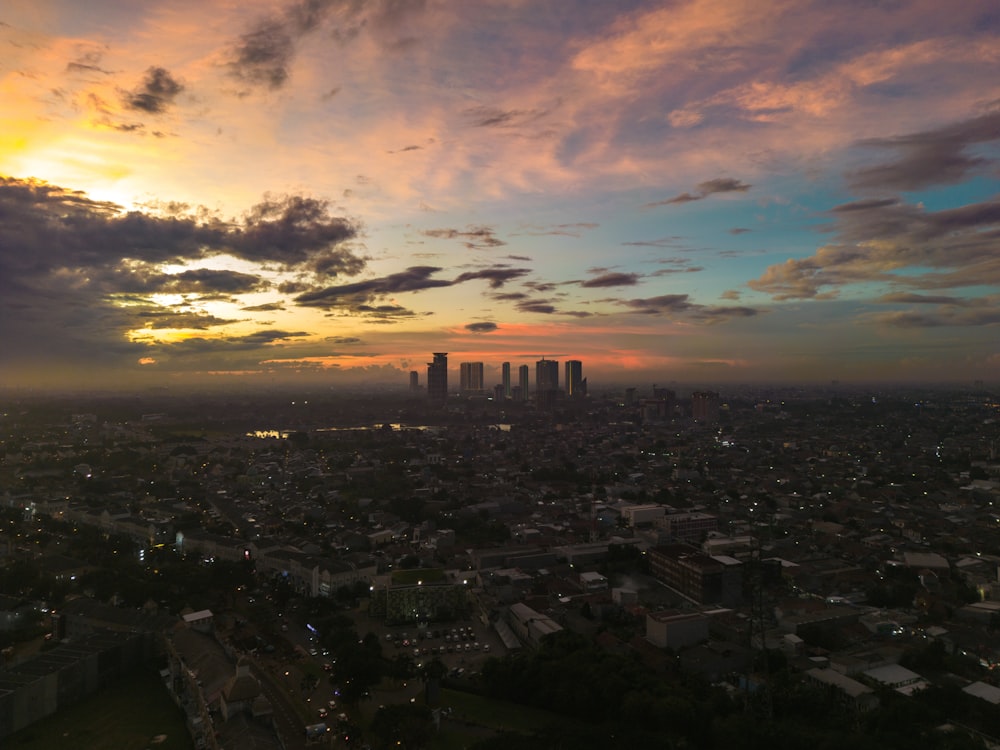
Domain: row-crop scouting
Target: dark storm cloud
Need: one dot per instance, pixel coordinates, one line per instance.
(890, 241)
(611, 279)
(705, 189)
(481, 327)
(155, 93)
(934, 157)
(473, 238)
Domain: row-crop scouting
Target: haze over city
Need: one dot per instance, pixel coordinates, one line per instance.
(329, 191)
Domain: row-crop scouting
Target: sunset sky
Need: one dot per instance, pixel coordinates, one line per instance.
(701, 191)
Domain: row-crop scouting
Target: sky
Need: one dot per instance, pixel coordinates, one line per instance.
(221, 193)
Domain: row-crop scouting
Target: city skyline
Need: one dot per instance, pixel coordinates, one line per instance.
(324, 191)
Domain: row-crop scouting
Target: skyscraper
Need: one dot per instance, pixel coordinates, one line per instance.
(546, 382)
(437, 377)
(576, 384)
(546, 375)
(505, 369)
(471, 374)
(522, 381)
(414, 380)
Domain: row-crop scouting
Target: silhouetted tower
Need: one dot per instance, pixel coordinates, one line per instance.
(576, 384)
(546, 382)
(414, 380)
(437, 378)
(505, 373)
(471, 377)
(522, 381)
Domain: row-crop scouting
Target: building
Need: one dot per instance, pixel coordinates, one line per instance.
(676, 630)
(576, 384)
(705, 406)
(546, 382)
(701, 578)
(505, 379)
(414, 380)
(437, 377)
(529, 625)
(546, 375)
(637, 515)
(471, 377)
(688, 527)
(522, 381)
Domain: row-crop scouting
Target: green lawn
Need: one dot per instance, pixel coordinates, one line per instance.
(134, 714)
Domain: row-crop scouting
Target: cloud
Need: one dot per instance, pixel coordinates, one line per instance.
(972, 313)
(908, 298)
(575, 229)
(155, 93)
(474, 238)
(536, 306)
(493, 117)
(611, 279)
(705, 189)
(496, 277)
(934, 157)
(263, 55)
(266, 307)
(77, 274)
(676, 305)
(485, 327)
(413, 279)
(892, 242)
(343, 340)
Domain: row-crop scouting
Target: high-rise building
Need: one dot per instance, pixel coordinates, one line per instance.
(546, 382)
(471, 374)
(505, 370)
(522, 381)
(576, 384)
(705, 406)
(414, 380)
(437, 377)
(546, 375)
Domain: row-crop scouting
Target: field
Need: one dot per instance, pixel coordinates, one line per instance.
(134, 714)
